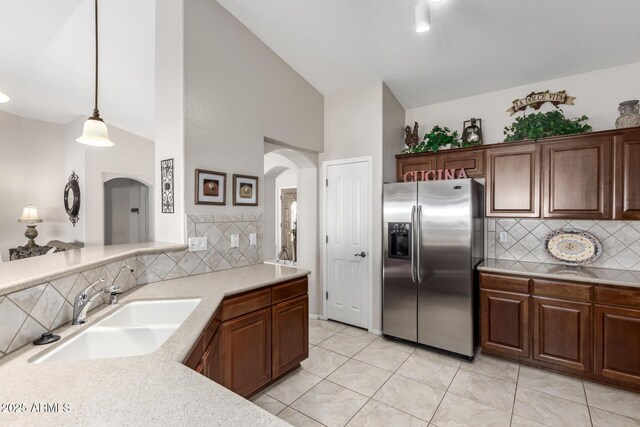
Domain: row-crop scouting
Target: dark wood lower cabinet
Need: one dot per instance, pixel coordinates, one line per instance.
(561, 333)
(505, 322)
(255, 337)
(617, 343)
(587, 330)
(246, 352)
(290, 338)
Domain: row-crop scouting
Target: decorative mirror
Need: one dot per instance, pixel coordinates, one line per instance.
(72, 195)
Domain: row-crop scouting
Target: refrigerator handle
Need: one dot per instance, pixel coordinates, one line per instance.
(419, 245)
(413, 252)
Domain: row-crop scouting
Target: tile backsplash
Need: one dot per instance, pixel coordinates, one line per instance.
(26, 314)
(620, 240)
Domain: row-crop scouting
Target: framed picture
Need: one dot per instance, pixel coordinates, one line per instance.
(245, 190)
(211, 187)
(166, 176)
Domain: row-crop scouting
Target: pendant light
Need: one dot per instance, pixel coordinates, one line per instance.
(95, 131)
(4, 98)
(423, 16)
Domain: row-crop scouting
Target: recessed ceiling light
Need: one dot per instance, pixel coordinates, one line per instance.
(437, 1)
(423, 18)
(4, 98)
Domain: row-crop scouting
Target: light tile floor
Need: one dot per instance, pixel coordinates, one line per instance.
(359, 379)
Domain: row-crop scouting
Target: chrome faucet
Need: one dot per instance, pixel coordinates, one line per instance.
(82, 302)
(114, 290)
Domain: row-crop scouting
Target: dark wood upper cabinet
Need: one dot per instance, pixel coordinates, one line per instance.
(577, 178)
(627, 176)
(414, 162)
(472, 161)
(246, 352)
(290, 340)
(617, 343)
(512, 183)
(562, 333)
(504, 324)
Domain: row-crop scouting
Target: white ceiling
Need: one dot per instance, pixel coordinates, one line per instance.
(474, 46)
(47, 60)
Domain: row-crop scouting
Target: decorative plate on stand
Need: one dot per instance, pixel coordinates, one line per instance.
(572, 247)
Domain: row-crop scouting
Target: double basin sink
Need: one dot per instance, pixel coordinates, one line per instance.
(135, 329)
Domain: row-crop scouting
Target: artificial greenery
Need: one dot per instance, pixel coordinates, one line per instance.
(543, 125)
(435, 140)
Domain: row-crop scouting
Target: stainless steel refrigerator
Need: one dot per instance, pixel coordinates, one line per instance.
(433, 240)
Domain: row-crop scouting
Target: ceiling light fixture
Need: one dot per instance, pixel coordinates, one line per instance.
(423, 16)
(437, 1)
(4, 98)
(95, 131)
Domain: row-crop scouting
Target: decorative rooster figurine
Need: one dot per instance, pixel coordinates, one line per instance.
(411, 139)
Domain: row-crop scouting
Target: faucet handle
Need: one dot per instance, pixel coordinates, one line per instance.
(113, 292)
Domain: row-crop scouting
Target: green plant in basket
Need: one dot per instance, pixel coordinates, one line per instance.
(436, 139)
(544, 125)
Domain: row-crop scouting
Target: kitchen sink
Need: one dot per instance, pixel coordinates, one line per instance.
(136, 329)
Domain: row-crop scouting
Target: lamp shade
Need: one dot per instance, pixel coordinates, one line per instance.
(4, 98)
(30, 216)
(95, 133)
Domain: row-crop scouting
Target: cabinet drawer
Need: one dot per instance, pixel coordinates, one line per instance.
(288, 290)
(617, 296)
(245, 303)
(504, 283)
(564, 290)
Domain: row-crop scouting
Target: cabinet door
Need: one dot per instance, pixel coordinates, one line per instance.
(414, 162)
(562, 333)
(246, 352)
(617, 343)
(513, 181)
(290, 343)
(504, 322)
(211, 363)
(627, 176)
(472, 161)
(576, 178)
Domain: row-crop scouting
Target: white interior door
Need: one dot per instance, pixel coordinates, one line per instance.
(348, 207)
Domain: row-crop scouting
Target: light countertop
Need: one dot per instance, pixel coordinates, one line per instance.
(24, 273)
(604, 276)
(155, 389)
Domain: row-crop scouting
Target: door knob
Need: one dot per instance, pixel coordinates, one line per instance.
(361, 254)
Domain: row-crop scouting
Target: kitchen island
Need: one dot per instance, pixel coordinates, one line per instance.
(154, 389)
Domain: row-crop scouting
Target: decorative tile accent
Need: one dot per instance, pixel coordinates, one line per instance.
(620, 240)
(26, 314)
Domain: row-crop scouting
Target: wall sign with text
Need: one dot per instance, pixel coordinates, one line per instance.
(434, 175)
(535, 100)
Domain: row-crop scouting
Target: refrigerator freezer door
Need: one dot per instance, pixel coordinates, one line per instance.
(445, 294)
(399, 298)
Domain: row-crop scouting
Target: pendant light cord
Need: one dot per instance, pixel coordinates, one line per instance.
(96, 113)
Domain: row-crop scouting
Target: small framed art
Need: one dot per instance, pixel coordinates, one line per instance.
(245, 190)
(166, 176)
(211, 187)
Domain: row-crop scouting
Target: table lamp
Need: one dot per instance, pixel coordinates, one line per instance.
(30, 217)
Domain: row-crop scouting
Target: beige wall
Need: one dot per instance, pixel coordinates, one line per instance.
(31, 171)
(392, 133)
(238, 92)
(597, 96)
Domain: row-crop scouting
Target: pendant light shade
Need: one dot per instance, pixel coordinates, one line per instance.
(95, 132)
(423, 16)
(4, 98)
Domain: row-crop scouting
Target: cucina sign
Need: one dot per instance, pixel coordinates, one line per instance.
(434, 175)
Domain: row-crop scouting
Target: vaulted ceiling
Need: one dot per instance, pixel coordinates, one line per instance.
(474, 46)
(47, 60)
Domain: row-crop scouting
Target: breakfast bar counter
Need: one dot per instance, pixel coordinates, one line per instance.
(154, 389)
